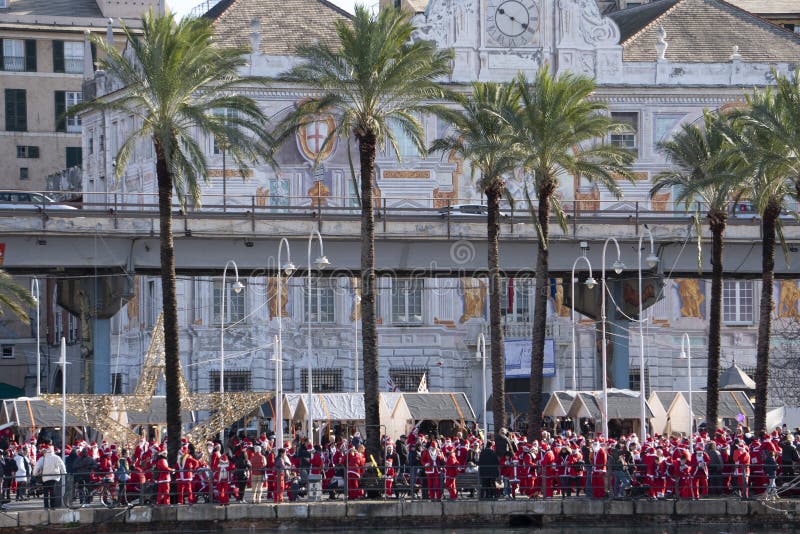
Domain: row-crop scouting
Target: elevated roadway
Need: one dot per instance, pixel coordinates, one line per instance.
(406, 241)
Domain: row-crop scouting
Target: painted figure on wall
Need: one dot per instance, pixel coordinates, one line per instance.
(789, 297)
(474, 298)
(691, 297)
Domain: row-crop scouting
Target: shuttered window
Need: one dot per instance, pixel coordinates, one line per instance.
(16, 110)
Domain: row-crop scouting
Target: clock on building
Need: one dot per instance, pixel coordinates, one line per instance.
(512, 23)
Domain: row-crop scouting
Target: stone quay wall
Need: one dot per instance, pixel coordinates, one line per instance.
(404, 513)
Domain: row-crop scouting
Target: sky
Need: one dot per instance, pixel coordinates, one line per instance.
(181, 7)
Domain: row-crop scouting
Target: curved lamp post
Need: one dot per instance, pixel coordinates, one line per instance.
(590, 283)
(356, 304)
(36, 299)
(287, 268)
(686, 354)
(320, 263)
(652, 261)
(481, 355)
(237, 288)
(618, 268)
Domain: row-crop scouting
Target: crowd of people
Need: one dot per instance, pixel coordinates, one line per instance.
(415, 465)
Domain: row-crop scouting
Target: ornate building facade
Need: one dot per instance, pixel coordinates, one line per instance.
(656, 67)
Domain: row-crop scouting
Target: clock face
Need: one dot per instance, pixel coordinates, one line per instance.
(512, 23)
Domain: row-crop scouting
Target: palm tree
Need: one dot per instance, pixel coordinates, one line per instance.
(175, 83)
(373, 78)
(558, 128)
(14, 297)
(772, 141)
(707, 167)
(482, 136)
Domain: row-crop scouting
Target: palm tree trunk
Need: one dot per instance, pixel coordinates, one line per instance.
(540, 310)
(498, 360)
(768, 220)
(172, 363)
(717, 224)
(367, 146)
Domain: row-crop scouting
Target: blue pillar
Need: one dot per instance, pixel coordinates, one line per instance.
(101, 359)
(619, 328)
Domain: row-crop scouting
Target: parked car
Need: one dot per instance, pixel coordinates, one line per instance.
(20, 200)
(744, 210)
(469, 210)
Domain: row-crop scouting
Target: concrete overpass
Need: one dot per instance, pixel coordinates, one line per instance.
(408, 240)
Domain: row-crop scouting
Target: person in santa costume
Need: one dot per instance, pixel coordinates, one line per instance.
(526, 468)
(599, 466)
(549, 465)
(432, 460)
(185, 468)
(355, 463)
(222, 479)
(163, 477)
(451, 469)
(699, 465)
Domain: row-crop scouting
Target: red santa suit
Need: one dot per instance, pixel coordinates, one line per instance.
(271, 476)
(599, 467)
(355, 468)
(549, 470)
(163, 478)
(650, 462)
(575, 471)
(451, 469)
(699, 465)
(432, 460)
(526, 470)
(388, 476)
(185, 468)
(222, 479)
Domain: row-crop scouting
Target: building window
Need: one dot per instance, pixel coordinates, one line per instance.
(73, 121)
(226, 113)
(626, 139)
(30, 152)
(58, 327)
(322, 301)
(515, 299)
(116, 383)
(325, 380)
(24, 174)
(405, 145)
(16, 110)
(8, 352)
(635, 384)
(72, 329)
(151, 310)
(234, 302)
(737, 302)
(279, 192)
(73, 57)
(235, 380)
(407, 379)
(14, 55)
(74, 156)
(407, 301)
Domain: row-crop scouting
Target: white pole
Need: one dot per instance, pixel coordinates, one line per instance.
(688, 355)
(321, 262)
(482, 349)
(237, 287)
(357, 302)
(618, 266)
(37, 299)
(63, 363)
(289, 268)
(590, 285)
(642, 405)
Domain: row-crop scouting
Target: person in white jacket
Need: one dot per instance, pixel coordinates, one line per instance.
(51, 468)
(22, 475)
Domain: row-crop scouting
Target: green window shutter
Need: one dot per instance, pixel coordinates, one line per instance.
(30, 55)
(61, 108)
(2, 57)
(74, 156)
(16, 110)
(94, 55)
(58, 56)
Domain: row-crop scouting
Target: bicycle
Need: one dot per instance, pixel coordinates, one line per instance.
(102, 489)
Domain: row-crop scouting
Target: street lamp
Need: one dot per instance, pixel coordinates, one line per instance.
(618, 268)
(36, 299)
(481, 354)
(63, 363)
(652, 261)
(320, 263)
(237, 288)
(356, 303)
(590, 283)
(686, 354)
(287, 268)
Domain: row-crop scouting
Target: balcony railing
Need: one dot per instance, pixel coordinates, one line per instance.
(15, 63)
(73, 65)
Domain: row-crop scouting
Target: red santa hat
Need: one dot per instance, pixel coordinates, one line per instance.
(162, 452)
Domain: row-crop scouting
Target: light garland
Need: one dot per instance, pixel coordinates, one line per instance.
(109, 413)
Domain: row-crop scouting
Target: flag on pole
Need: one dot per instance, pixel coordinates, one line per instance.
(423, 384)
(391, 385)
